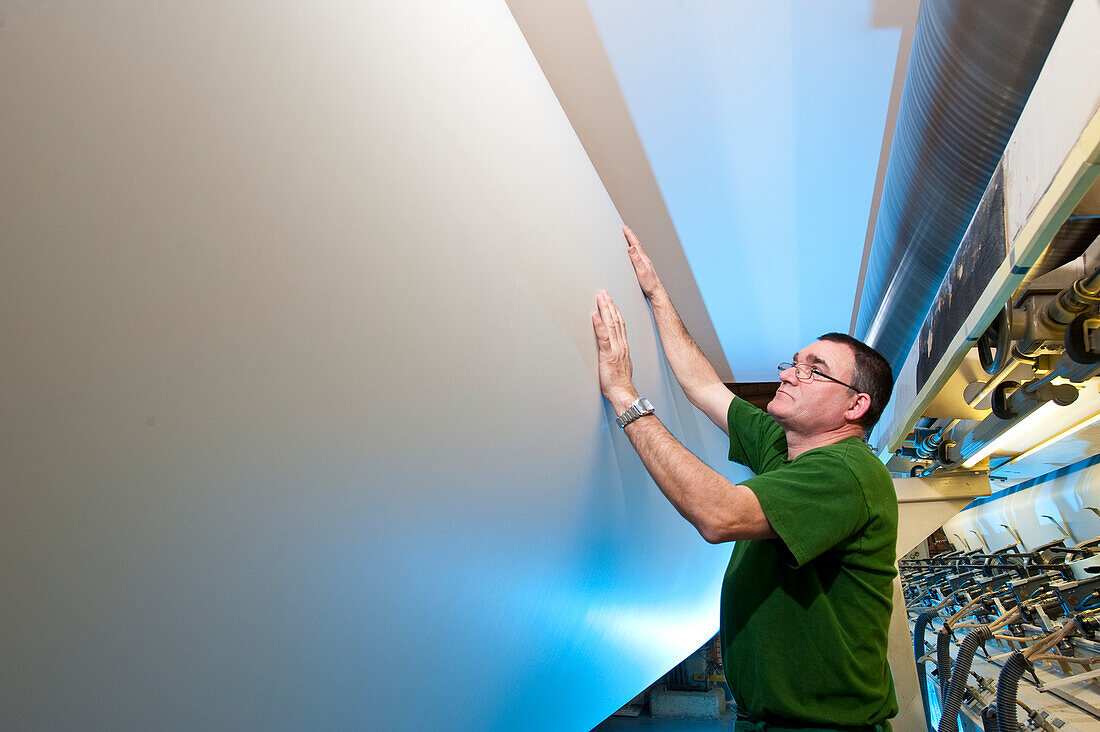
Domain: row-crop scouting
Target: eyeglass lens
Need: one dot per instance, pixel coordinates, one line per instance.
(803, 371)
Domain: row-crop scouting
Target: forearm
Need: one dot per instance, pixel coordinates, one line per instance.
(719, 509)
(692, 369)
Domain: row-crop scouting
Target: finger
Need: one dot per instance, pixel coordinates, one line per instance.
(634, 246)
(610, 311)
(631, 237)
(637, 255)
(608, 314)
(617, 321)
(603, 303)
(603, 313)
(598, 325)
(614, 312)
(603, 340)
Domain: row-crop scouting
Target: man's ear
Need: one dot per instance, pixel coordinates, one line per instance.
(858, 407)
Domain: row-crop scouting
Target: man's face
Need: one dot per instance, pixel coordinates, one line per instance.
(816, 405)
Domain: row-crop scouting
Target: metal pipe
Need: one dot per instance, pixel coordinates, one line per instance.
(1015, 360)
(1039, 391)
(929, 446)
(930, 469)
(1073, 300)
(1032, 390)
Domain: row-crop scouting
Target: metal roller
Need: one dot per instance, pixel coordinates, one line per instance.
(972, 69)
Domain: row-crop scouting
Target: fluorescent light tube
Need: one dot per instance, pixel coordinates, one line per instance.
(1051, 440)
(1025, 425)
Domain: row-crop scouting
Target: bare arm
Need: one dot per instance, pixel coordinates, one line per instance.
(693, 371)
(719, 509)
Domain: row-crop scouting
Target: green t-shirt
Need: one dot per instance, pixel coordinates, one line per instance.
(805, 617)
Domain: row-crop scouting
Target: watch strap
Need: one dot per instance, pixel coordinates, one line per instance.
(640, 408)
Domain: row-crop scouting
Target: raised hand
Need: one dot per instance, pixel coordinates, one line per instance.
(643, 267)
(616, 369)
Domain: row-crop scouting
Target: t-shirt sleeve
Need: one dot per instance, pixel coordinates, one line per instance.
(813, 504)
(756, 441)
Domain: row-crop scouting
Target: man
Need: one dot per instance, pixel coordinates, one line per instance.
(807, 597)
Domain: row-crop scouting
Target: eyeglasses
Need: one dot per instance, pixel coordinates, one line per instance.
(806, 372)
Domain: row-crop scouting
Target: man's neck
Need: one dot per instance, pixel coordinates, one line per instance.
(798, 443)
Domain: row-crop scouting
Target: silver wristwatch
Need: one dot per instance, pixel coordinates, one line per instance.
(640, 408)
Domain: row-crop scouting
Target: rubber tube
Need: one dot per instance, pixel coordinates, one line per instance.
(920, 625)
(989, 718)
(1007, 685)
(949, 720)
(943, 661)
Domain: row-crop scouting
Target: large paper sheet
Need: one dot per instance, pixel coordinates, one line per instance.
(300, 421)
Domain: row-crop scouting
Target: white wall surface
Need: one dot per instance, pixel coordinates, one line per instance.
(299, 417)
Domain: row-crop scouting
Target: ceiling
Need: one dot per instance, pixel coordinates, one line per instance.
(764, 125)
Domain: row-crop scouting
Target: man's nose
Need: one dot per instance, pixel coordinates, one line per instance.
(789, 375)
